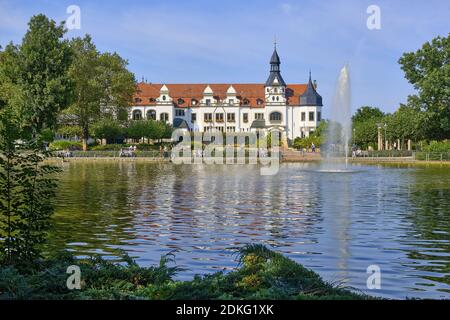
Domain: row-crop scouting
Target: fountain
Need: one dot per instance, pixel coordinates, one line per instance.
(338, 133)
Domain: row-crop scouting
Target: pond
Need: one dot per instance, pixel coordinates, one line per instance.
(337, 224)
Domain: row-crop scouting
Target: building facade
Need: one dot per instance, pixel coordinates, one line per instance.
(293, 109)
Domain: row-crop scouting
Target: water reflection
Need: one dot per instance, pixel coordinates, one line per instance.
(336, 224)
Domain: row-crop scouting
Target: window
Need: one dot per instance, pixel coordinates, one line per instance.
(207, 117)
(194, 102)
(246, 102)
(152, 100)
(231, 101)
(208, 102)
(259, 116)
(164, 117)
(137, 100)
(319, 116)
(179, 113)
(259, 102)
(164, 98)
(231, 117)
(151, 114)
(231, 129)
(193, 117)
(303, 116)
(245, 117)
(311, 116)
(180, 101)
(219, 117)
(137, 115)
(275, 116)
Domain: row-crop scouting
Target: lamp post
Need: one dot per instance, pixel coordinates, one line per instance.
(354, 134)
(385, 135)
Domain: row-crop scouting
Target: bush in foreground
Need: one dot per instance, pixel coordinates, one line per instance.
(262, 274)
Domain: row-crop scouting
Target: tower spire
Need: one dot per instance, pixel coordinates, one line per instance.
(275, 77)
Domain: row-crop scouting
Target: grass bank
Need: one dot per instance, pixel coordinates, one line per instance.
(261, 274)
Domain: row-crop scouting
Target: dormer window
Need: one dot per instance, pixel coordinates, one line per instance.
(246, 102)
(208, 102)
(231, 101)
(194, 102)
(151, 99)
(137, 100)
(259, 102)
(164, 98)
(180, 101)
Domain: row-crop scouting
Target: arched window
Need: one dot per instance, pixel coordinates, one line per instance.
(164, 98)
(275, 116)
(137, 115)
(259, 102)
(151, 114)
(164, 117)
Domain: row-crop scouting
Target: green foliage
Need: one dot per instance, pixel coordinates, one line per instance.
(103, 85)
(428, 69)
(318, 137)
(437, 146)
(365, 126)
(366, 112)
(35, 75)
(70, 131)
(26, 191)
(108, 129)
(35, 87)
(405, 123)
(149, 129)
(65, 145)
(262, 274)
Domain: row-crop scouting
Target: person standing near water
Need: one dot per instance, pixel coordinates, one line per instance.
(313, 147)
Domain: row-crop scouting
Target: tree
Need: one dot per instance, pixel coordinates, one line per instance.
(109, 129)
(365, 123)
(428, 70)
(137, 129)
(41, 74)
(405, 123)
(366, 112)
(27, 188)
(34, 87)
(103, 86)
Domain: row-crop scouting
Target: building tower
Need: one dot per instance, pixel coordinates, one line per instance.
(275, 86)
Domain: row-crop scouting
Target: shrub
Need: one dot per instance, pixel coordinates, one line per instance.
(262, 274)
(437, 146)
(65, 145)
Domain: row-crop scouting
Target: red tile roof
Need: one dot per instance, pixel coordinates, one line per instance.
(147, 93)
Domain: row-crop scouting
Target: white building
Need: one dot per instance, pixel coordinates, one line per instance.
(294, 109)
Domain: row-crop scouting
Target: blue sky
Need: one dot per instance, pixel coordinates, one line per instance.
(232, 41)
